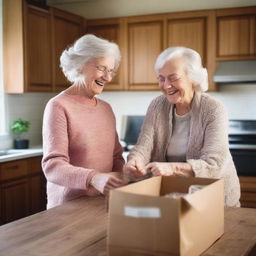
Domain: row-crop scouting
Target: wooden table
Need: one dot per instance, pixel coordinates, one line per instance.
(79, 228)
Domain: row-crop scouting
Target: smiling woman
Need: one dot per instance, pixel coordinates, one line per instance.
(185, 131)
(82, 153)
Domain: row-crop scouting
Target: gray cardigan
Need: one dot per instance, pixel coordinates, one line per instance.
(208, 150)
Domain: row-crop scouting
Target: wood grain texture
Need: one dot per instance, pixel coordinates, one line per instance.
(22, 189)
(248, 191)
(109, 29)
(66, 29)
(145, 45)
(65, 230)
(79, 228)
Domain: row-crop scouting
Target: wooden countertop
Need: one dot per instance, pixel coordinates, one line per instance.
(79, 228)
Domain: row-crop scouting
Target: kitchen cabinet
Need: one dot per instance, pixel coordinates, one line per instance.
(37, 49)
(22, 189)
(110, 29)
(27, 48)
(140, 40)
(248, 191)
(190, 29)
(67, 28)
(33, 39)
(236, 33)
(145, 39)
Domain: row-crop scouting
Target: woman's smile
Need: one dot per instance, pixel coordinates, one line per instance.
(100, 83)
(172, 91)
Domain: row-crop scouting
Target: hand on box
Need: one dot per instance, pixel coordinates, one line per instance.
(134, 169)
(170, 169)
(104, 182)
(159, 168)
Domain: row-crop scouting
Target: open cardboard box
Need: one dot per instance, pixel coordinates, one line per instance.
(144, 222)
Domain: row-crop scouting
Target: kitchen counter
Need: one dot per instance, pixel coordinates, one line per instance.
(79, 227)
(15, 154)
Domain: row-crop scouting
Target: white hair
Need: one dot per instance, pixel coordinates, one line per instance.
(192, 64)
(83, 50)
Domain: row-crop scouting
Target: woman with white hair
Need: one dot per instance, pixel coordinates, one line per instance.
(82, 153)
(185, 131)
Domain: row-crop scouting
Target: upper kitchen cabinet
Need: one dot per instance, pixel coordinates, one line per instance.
(191, 29)
(110, 29)
(236, 33)
(145, 41)
(33, 40)
(67, 28)
(27, 48)
(37, 49)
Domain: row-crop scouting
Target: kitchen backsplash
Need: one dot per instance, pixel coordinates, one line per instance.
(29, 106)
(240, 101)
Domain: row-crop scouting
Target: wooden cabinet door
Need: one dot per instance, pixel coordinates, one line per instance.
(66, 29)
(236, 33)
(233, 37)
(195, 30)
(145, 43)
(22, 189)
(14, 200)
(188, 32)
(14, 190)
(248, 191)
(37, 185)
(109, 29)
(38, 50)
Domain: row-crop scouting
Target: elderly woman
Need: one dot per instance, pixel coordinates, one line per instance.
(185, 131)
(82, 153)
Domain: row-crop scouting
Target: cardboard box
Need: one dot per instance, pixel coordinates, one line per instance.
(144, 222)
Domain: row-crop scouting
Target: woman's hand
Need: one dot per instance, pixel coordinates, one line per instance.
(159, 168)
(170, 169)
(134, 169)
(104, 182)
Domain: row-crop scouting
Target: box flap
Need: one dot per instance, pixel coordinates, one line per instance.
(149, 187)
(202, 218)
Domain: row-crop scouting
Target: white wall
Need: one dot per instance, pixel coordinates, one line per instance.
(29, 106)
(240, 101)
(92, 9)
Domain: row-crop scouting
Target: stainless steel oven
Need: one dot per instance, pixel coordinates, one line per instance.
(242, 144)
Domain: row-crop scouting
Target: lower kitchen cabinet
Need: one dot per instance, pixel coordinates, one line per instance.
(15, 201)
(22, 189)
(248, 191)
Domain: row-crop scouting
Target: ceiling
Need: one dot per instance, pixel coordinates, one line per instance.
(94, 9)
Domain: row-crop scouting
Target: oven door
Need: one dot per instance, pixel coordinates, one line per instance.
(245, 161)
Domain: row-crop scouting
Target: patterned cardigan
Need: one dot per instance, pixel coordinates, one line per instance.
(208, 150)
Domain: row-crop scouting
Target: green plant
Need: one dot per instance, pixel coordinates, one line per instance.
(20, 126)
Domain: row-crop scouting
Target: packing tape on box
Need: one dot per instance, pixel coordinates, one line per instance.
(142, 212)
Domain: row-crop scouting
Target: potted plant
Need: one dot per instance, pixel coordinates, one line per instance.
(18, 127)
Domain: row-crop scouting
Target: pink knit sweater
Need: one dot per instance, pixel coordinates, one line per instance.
(78, 141)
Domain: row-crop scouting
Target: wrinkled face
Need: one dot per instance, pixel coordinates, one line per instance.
(174, 82)
(97, 73)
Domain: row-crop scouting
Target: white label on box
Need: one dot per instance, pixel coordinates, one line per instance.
(142, 212)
